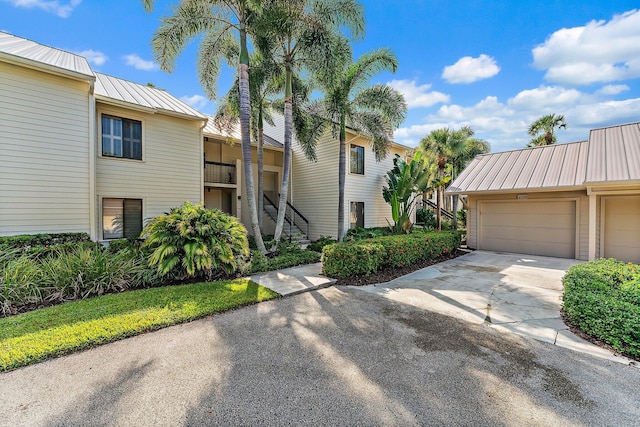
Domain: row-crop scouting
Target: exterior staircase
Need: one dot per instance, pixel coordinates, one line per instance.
(426, 203)
(296, 226)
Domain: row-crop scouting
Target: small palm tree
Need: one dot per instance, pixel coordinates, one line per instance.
(226, 26)
(374, 112)
(545, 125)
(304, 35)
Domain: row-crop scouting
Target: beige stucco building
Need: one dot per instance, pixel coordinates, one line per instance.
(578, 200)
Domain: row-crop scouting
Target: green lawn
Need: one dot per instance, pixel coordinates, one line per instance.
(41, 334)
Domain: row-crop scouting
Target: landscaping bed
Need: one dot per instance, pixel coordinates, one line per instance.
(602, 299)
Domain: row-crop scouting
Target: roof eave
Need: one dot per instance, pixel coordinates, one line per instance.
(51, 69)
(518, 190)
(151, 110)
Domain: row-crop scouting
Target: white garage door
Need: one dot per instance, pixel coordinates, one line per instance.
(529, 227)
(622, 228)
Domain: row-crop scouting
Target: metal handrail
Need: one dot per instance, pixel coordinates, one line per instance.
(209, 162)
(435, 206)
(288, 218)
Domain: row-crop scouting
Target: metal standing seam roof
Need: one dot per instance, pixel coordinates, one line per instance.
(212, 130)
(614, 155)
(560, 166)
(136, 94)
(23, 49)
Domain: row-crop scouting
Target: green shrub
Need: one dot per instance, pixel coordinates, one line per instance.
(261, 262)
(368, 256)
(603, 299)
(426, 217)
(462, 218)
(359, 233)
(69, 272)
(38, 243)
(321, 243)
(191, 240)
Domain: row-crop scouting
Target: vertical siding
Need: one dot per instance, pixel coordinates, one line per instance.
(367, 188)
(168, 175)
(315, 186)
(44, 141)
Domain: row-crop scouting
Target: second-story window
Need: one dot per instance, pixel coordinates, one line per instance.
(121, 138)
(356, 158)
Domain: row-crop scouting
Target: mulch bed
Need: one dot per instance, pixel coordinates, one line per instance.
(393, 273)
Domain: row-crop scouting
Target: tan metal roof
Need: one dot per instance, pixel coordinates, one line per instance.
(611, 155)
(269, 141)
(35, 54)
(136, 95)
(560, 166)
(614, 155)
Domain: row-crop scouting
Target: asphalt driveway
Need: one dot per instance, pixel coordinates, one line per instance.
(336, 356)
(509, 292)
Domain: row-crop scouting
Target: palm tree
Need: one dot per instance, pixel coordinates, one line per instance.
(225, 25)
(263, 77)
(304, 35)
(545, 125)
(373, 112)
(444, 144)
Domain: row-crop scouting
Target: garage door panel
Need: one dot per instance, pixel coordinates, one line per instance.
(531, 227)
(622, 228)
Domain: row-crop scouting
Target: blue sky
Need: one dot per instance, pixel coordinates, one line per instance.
(494, 65)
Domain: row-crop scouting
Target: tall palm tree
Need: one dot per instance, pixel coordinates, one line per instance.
(263, 78)
(372, 111)
(545, 125)
(225, 25)
(305, 35)
(444, 144)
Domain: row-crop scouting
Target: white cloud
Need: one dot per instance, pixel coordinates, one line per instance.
(94, 56)
(418, 95)
(138, 63)
(599, 51)
(504, 124)
(63, 10)
(612, 89)
(469, 70)
(196, 101)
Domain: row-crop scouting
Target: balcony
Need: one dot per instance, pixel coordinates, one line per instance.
(219, 173)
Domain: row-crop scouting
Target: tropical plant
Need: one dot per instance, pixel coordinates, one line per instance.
(304, 35)
(219, 21)
(372, 112)
(546, 125)
(405, 182)
(191, 239)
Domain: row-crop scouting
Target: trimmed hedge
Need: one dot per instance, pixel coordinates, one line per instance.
(36, 243)
(365, 257)
(603, 299)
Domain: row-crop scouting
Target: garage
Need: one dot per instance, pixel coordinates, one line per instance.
(545, 228)
(621, 231)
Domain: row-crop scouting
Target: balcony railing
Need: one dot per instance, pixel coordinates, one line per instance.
(220, 173)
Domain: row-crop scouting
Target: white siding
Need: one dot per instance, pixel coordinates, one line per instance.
(367, 188)
(44, 141)
(170, 172)
(315, 187)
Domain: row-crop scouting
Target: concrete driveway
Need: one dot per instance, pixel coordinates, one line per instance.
(335, 356)
(508, 292)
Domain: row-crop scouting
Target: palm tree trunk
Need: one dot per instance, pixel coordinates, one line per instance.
(245, 117)
(454, 210)
(342, 172)
(260, 167)
(439, 201)
(286, 167)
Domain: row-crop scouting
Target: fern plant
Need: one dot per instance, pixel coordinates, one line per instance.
(192, 240)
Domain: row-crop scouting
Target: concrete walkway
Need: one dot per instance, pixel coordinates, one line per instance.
(294, 280)
(507, 292)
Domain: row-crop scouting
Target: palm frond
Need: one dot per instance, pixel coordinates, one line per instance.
(384, 100)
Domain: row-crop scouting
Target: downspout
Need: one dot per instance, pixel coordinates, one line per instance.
(93, 211)
(200, 165)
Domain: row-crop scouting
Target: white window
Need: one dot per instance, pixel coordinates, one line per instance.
(121, 138)
(121, 218)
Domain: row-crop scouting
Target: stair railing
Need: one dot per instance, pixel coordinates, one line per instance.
(429, 203)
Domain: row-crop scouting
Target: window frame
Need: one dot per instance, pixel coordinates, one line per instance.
(123, 208)
(362, 156)
(351, 224)
(113, 116)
